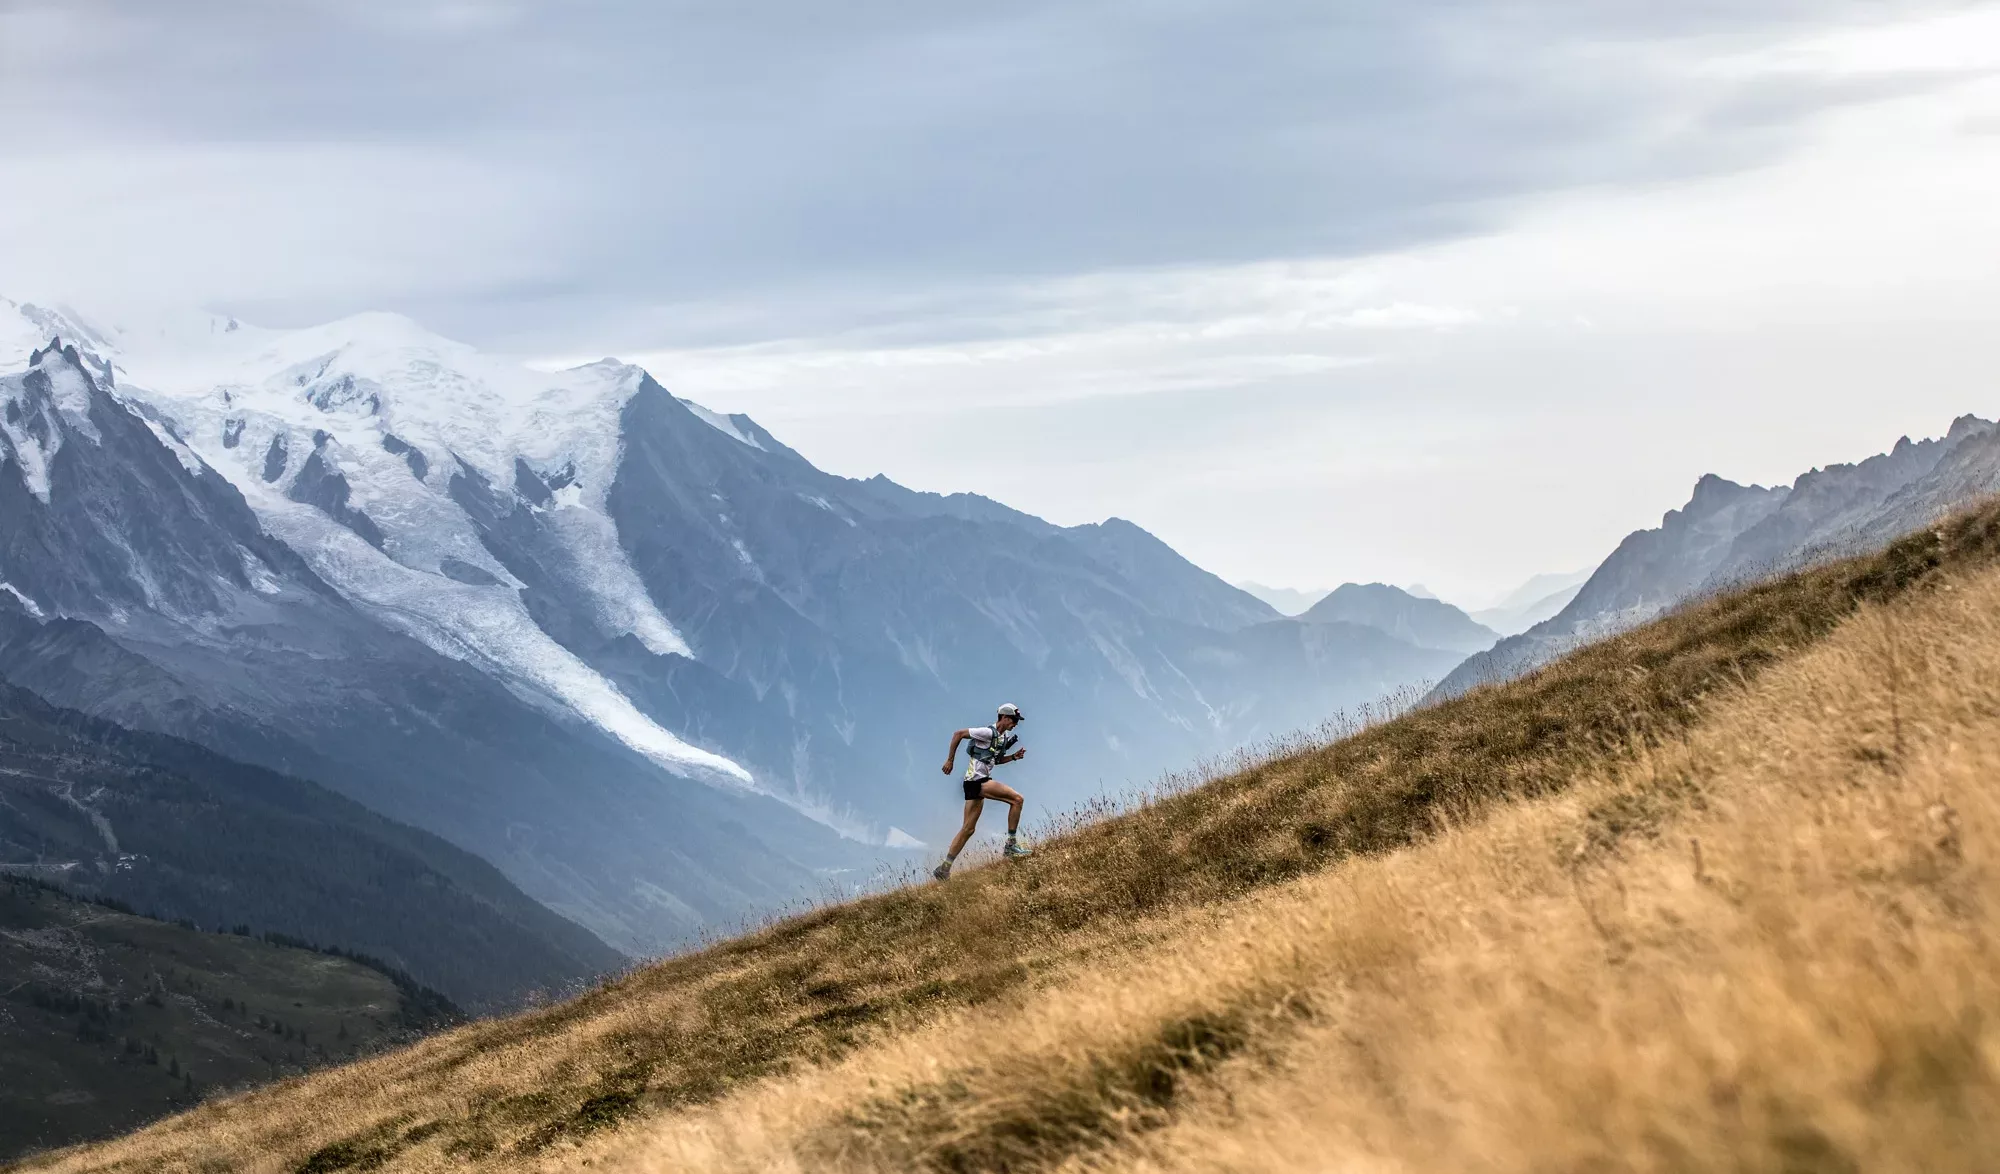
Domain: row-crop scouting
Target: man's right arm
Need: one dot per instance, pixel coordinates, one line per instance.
(951, 755)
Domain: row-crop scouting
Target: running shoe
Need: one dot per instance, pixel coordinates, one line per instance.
(1014, 851)
(942, 871)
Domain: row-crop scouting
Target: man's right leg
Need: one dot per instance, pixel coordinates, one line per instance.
(1014, 801)
(972, 808)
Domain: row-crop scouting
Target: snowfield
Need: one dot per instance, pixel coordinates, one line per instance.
(395, 413)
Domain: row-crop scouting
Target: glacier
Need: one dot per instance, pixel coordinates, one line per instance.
(359, 396)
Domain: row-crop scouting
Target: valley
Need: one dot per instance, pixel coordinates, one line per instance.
(165, 826)
(109, 1019)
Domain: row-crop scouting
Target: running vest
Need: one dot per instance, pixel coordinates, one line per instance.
(991, 753)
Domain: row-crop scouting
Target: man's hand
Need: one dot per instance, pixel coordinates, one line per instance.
(947, 766)
(1018, 755)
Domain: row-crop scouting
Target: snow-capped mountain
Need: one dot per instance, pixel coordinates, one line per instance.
(141, 586)
(1729, 534)
(356, 444)
(644, 657)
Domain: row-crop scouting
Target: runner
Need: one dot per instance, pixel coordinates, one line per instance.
(989, 747)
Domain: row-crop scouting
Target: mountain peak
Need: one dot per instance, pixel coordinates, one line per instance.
(386, 327)
(43, 408)
(1714, 488)
(1967, 425)
(54, 349)
(1426, 623)
(1715, 495)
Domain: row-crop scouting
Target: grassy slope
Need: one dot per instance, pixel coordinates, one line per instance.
(108, 1020)
(1800, 972)
(1770, 945)
(690, 1031)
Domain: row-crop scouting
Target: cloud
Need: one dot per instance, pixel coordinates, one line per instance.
(166, 226)
(1465, 412)
(673, 173)
(1440, 291)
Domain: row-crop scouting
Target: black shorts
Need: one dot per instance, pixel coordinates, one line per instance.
(972, 788)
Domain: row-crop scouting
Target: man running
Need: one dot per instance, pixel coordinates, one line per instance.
(990, 747)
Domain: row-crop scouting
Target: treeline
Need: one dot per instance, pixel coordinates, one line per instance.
(206, 839)
(421, 1008)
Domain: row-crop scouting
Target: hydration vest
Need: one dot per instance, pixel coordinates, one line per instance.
(993, 751)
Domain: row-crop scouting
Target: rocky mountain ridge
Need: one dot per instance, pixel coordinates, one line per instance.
(1729, 534)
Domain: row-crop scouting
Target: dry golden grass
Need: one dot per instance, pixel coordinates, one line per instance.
(1802, 974)
(1161, 989)
(1787, 962)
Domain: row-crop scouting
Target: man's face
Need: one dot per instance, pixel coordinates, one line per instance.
(1004, 723)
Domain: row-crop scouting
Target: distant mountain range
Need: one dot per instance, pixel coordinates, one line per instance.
(1540, 598)
(1728, 534)
(1286, 601)
(1534, 601)
(1427, 622)
(648, 661)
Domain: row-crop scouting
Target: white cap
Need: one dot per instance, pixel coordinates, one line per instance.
(1013, 711)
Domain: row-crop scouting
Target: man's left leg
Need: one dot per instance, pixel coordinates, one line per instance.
(972, 807)
(1014, 801)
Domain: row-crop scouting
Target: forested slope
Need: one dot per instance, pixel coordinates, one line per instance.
(176, 830)
(108, 1019)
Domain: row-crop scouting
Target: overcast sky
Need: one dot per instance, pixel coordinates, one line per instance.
(1434, 291)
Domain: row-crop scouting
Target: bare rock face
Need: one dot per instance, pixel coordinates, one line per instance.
(1731, 534)
(320, 484)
